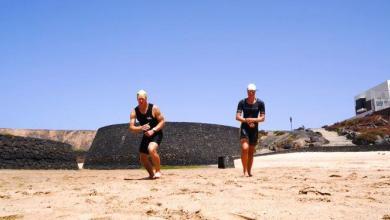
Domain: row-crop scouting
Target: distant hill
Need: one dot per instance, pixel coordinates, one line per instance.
(79, 139)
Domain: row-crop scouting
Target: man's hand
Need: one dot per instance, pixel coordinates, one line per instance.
(145, 127)
(249, 120)
(149, 133)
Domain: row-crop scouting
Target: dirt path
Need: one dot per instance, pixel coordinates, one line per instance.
(333, 138)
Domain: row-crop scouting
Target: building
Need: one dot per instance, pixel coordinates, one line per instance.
(373, 100)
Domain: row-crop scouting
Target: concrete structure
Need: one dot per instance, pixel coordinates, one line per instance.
(373, 100)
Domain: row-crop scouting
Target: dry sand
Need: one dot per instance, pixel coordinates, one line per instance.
(285, 186)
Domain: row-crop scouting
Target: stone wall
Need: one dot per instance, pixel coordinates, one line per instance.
(32, 153)
(114, 147)
(79, 139)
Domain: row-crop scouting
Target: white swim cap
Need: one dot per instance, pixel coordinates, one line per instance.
(142, 94)
(252, 87)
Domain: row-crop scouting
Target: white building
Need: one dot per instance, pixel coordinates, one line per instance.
(374, 99)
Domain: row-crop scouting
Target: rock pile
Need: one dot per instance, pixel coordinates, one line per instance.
(284, 140)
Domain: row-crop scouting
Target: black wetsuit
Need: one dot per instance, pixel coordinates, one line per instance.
(145, 119)
(250, 111)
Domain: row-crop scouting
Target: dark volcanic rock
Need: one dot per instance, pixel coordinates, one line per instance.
(114, 147)
(225, 162)
(32, 153)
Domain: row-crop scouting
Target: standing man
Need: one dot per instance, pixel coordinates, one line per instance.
(250, 112)
(151, 123)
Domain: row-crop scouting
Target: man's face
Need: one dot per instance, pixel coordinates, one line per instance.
(141, 100)
(251, 93)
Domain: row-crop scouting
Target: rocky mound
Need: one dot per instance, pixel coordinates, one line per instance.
(32, 153)
(79, 139)
(285, 140)
(114, 147)
(368, 130)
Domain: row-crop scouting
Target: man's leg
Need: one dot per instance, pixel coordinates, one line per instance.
(145, 162)
(244, 154)
(152, 148)
(251, 152)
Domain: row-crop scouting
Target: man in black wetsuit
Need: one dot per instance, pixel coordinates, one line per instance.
(151, 123)
(250, 112)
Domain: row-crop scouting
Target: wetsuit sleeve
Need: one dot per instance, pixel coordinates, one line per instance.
(240, 107)
(262, 108)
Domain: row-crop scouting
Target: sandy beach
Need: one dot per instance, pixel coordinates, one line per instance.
(284, 186)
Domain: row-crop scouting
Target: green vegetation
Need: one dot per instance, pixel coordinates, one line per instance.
(378, 131)
(79, 150)
(366, 138)
(8, 135)
(279, 133)
(291, 138)
(262, 133)
(286, 144)
(80, 155)
(351, 122)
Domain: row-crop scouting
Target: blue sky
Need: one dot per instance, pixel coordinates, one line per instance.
(78, 64)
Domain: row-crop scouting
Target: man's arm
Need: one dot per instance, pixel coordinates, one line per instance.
(260, 118)
(133, 127)
(239, 116)
(160, 118)
(161, 121)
